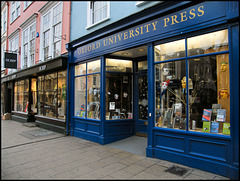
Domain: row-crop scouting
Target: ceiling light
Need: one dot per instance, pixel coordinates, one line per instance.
(141, 50)
(124, 53)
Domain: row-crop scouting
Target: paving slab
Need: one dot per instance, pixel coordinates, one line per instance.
(54, 156)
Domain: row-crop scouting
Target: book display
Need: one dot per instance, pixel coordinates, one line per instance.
(206, 127)
(226, 128)
(119, 90)
(206, 103)
(221, 115)
(214, 127)
(207, 113)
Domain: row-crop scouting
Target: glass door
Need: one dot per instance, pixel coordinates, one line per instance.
(142, 100)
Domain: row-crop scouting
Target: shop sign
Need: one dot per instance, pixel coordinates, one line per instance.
(185, 18)
(10, 60)
(43, 67)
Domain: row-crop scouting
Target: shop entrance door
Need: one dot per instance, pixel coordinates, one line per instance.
(142, 104)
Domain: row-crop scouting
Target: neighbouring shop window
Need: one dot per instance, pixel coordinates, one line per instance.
(118, 89)
(33, 94)
(62, 94)
(2, 100)
(87, 90)
(52, 95)
(208, 97)
(21, 94)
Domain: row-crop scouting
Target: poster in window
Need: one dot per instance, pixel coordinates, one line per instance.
(112, 106)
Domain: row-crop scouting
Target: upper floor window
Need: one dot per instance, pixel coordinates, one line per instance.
(46, 32)
(13, 47)
(98, 11)
(28, 58)
(57, 16)
(2, 56)
(4, 21)
(52, 32)
(25, 48)
(27, 3)
(15, 10)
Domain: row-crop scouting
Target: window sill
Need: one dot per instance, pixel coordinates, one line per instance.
(141, 3)
(91, 26)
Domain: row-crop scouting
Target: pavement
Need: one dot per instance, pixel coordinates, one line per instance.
(32, 153)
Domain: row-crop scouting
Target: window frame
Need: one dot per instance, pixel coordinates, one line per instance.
(14, 47)
(31, 37)
(90, 23)
(85, 75)
(26, 4)
(4, 22)
(49, 11)
(187, 58)
(15, 10)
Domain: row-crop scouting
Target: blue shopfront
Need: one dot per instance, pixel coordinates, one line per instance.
(172, 76)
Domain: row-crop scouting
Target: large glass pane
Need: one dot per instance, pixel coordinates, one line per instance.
(25, 95)
(118, 96)
(209, 94)
(93, 66)
(80, 69)
(18, 96)
(93, 99)
(208, 43)
(142, 66)
(41, 96)
(171, 95)
(117, 65)
(80, 96)
(33, 98)
(62, 94)
(171, 50)
(51, 93)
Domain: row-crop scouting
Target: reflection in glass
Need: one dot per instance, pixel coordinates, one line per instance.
(93, 66)
(41, 96)
(209, 78)
(171, 95)
(80, 69)
(33, 94)
(21, 95)
(208, 43)
(93, 99)
(118, 96)
(80, 96)
(117, 65)
(51, 95)
(62, 94)
(171, 50)
(142, 65)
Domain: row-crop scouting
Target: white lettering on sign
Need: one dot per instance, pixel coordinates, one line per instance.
(42, 67)
(10, 60)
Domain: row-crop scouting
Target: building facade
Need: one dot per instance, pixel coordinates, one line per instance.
(4, 13)
(165, 70)
(35, 90)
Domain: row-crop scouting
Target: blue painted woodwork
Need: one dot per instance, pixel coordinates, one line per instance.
(151, 30)
(214, 153)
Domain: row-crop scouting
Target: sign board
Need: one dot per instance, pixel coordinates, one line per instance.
(10, 60)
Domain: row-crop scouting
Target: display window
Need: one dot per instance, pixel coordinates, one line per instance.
(194, 91)
(33, 95)
(118, 89)
(62, 94)
(21, 95)
(87, 90)
(52, 95)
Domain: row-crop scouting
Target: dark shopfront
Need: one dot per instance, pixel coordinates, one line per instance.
(38, 94)
(172, 77)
